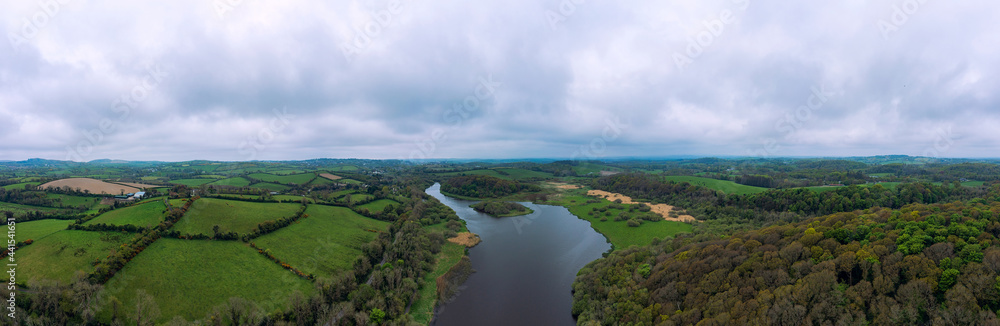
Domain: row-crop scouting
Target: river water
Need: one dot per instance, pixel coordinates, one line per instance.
(524, 266)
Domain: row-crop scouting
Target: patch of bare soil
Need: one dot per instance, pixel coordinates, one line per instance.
(661, 209)
(330, 176)
(467, 239)
(564, 185)
(95, 186)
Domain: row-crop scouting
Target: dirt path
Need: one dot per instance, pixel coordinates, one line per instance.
(467, 239)
(662, 209)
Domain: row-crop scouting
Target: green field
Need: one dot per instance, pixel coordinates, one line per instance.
(618, 232)
(36, 230)
(379, 205)
(148, 214)
(349, 181)
(292, 199)
(232, 182)
(75, 200)
(728, 187)
(423, 309)
(59, 255)
(230, 215)
(192, 182)
(20, 209)
(20, 185)
(285, 179)
(189, 278)
(324, 243)
(270, 186)
(344, 168)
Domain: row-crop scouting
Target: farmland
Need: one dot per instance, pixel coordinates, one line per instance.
(325, 242)
(192, 182)
(284, 179)
(59, 255)
(174, 270)
(93, 186)
(728, 187)
(230, 215)
(148, 214)
(36, 230)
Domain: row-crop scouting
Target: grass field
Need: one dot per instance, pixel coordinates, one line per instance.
(20, 185)
(728, 187)
(294, 178)
(291, 198)
(230, 215)
(349, 181)
(36, 230)
(270, 186)
(148, 214)
(423, 309)
(189, 277)
(191, 182)
(20, 209)
(326, 242)
(619, 233)
(59, 255)
(344, 168)
(379, 205)
(233, 182)
(75, 200)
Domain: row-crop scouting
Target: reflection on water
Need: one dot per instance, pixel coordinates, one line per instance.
(525, 266)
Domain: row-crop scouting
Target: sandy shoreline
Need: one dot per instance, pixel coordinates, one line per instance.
(661, 209)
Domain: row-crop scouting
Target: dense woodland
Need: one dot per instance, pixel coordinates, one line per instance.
(920, 264)
(484, 186)
(728, 211)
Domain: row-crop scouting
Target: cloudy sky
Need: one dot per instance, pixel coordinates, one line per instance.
(252, 79)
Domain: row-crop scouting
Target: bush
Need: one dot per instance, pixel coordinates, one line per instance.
(634, 223)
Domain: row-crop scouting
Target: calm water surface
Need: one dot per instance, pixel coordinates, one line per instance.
(524, 266)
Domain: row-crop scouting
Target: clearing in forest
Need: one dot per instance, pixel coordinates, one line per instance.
(661, 209)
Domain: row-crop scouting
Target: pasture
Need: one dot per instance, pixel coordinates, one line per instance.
(59, 255)
(191, 182)
(284, 179)
(232, 182)
(324, 243)
(725, 186)
(147, 214)
(379, 205)
(189, 277)
(230, 215)
(36, 230)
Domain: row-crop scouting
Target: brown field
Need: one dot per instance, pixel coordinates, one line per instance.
(137, 185)
(330, 176)
(564, 185)
(467, 239)
(95, 186)
(662, 209)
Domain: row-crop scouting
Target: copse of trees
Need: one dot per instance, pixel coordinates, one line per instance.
(500, 208)
(484, 186)
(921, 264)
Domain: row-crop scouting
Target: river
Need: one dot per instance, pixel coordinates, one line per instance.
(524, 266)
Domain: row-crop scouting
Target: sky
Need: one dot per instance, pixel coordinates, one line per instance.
(583, 79)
